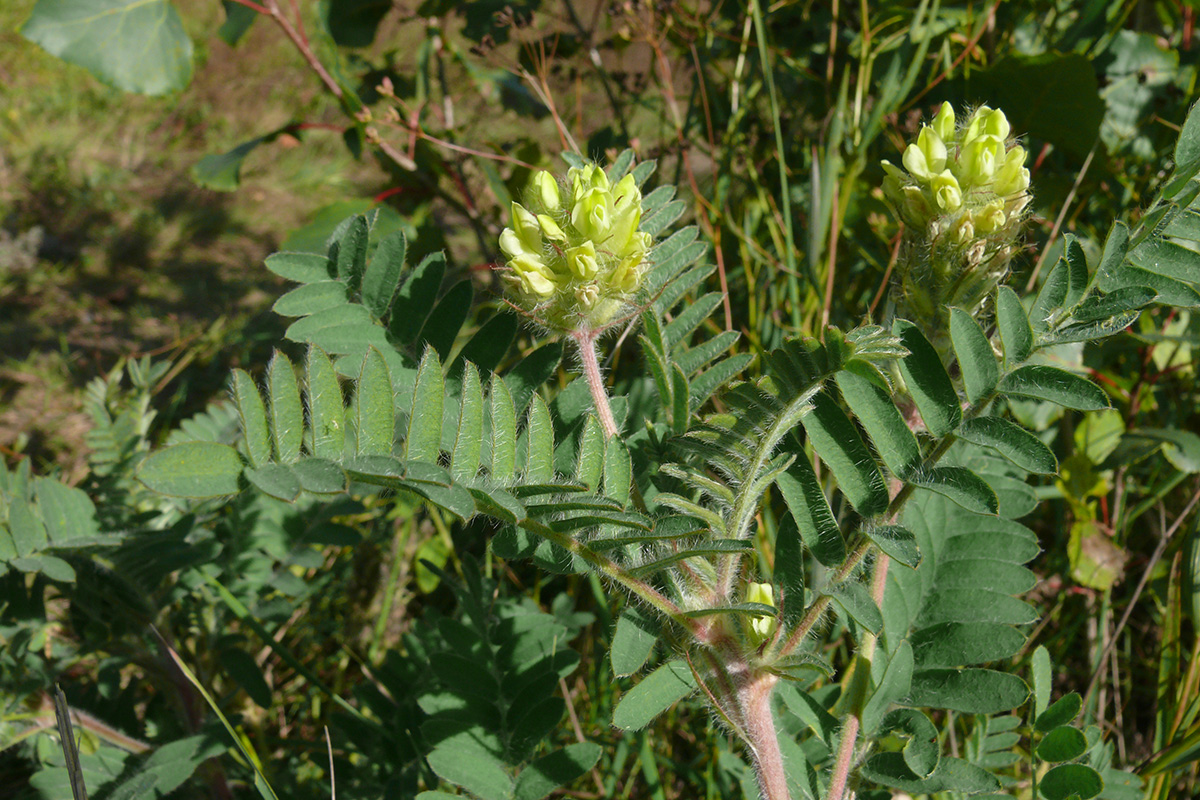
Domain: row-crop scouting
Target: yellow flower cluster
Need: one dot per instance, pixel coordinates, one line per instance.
(972, 172)
(576, 256)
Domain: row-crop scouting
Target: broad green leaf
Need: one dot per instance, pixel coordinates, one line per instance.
(811, 512)
(287, 415)
(415, 298)
(960, 485)
(192, 469)
(464, 761)
(897, 542)
(1170, 291)
(425, 417)
(836, 441)
(504, 432)
(894, 685)
(1071, 780)
(134, 45)
(976, 360)
(311, 298)
(300, 267)
(998, 576)
(67, 513)
(1015, 332)
(254, 418)
(277, 480)
(927, 381)
(1012, 441)
(1056, 386)
(539, 435)
(1061, 712)
(1062, 744)
(856, 601)
(447, 318)
(374, 409)
(976, 605)
(589, 466)
(893, 440)
(468, 445)
(1016, 498)
(657, 692)
(960, 644)
(27, 529)
(971, 691)
(326, 412)
(353, 23)
(1051, 296)
(1165, 257)
(633, 641)
(559, 768)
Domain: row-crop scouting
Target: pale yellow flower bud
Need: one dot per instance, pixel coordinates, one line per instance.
(761, 628)
(550, 228)
(591, 215)
(545, 189)
(582, 260)
(944, 122)
(532, 275)
(991, 217)
(946, 191)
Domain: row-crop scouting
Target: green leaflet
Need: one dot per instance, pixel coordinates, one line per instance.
(487, 348)
(287, 415)
(416, 296)
(856, 601)
(192, 469)
(1067, 780)
(837, 442)
(927, 381)
(1015, 332)
(326, 412)
(958, 644)
(373, 409)
(1012, 441)
(447, 318)
(276, 480)
(893, 440)
(352, 252)
(556, 769)
(976, 360)
(657, 692)
(1064, 710)
(311, 298)
(254, 418)
(952, 774)
(789, 571)
(960, 485)
(633, 641)
(1062, 744)
(898, 542)
(424, 438)
(504, 432)
(1051, 297)
(811, 512)
(468, 444)
(539, 439)
(971, 691)
(1056, 386)
(895, 684)
(382, 274)
(589, 466)
(300, 267)
(1077, 270)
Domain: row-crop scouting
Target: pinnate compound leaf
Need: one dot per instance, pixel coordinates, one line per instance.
(971, 691)
(1066, 780)
(557, 769)
(1012, 441)
(927, 381)
(1015, 332)
(1056, 386)
(657, 692)
(1062, 744)
(633, 641)
(134, 45)
(192, 469)
(976, 359)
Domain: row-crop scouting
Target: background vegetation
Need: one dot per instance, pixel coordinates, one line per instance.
(131, 280)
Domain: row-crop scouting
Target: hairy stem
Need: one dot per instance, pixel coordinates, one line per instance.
(586, 342)
(754, 699)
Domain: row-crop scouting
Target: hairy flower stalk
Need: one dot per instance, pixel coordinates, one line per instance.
(576, 260)
(962, 196)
